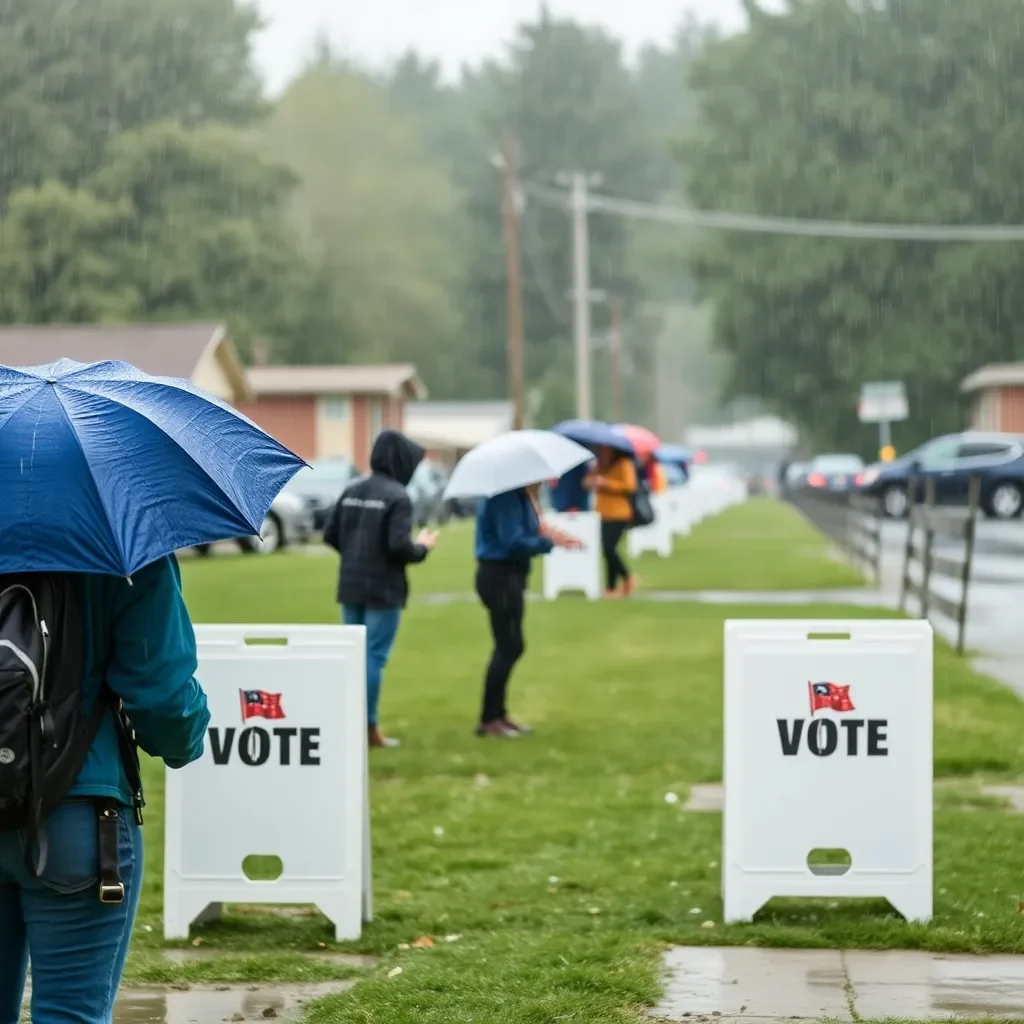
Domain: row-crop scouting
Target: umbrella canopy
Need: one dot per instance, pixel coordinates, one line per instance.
(645, 443)
(106, 469)
(514, 460)
(674, 453)
(595, 434)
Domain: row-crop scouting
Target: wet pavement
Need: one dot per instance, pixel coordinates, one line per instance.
(212, 1004)
(994, 601)
(751, 985)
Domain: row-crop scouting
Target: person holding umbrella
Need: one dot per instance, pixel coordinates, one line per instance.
(105, 472)
(614, 482)
(507, 472)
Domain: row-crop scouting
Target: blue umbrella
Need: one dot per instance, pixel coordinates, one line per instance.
(106, 469)
(595, 434)
(674, 453)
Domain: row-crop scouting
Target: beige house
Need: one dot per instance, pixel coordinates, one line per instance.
(997, 397)
(200, 353)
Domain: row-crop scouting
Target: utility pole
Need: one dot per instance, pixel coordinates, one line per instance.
(581, 294)
(514, 343)
(616, 339)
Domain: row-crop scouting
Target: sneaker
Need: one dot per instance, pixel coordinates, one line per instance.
(522, 730)
(499, 729)
(381, 742)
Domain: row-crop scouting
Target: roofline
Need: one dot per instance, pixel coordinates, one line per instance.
(409, 387)
(981, 379)
(232, 365)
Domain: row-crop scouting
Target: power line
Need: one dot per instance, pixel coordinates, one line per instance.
(532, 244)
(752, 223)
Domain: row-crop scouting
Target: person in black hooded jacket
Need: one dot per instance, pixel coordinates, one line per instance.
(371, 528)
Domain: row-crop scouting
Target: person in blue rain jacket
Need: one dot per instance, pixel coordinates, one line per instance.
(138, 639)
(509, 535)
(569, 493)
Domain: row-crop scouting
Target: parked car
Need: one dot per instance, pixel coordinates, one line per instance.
(796, 475)
(320, 485)
(426, 490)
(835, 473)
(951, 461)
(462, 508)
(287, 523)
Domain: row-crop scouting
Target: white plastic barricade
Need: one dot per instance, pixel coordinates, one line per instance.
(657, 537)
(284, 774)
(828, 747)
(679, 507)
(574, 570)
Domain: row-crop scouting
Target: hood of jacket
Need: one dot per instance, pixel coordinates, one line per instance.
(394, 455)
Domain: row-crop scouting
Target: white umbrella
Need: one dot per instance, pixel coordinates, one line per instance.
(513, 460)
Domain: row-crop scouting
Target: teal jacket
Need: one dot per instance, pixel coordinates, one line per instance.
(139, 638)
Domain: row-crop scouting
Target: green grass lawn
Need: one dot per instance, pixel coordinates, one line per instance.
(762, 545)
(558, 861)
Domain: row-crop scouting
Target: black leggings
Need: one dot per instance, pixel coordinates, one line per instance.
(502, 588)
(611, 536)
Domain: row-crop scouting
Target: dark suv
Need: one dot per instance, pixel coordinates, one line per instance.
(951, 461)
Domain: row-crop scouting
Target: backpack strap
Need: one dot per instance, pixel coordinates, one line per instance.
(129, 750)
(37, 853)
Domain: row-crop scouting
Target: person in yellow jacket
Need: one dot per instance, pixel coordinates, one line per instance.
(614, 482)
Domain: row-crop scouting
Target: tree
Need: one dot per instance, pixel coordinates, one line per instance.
(900, 111)
(177, 224)
(375, 211)
(75, 75)
(57, 258)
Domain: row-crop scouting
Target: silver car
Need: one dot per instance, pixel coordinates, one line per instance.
(288, 522)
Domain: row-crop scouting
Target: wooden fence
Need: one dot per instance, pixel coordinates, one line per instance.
(852, 520)
(925, 523)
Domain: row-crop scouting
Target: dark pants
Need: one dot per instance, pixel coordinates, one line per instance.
(77, 944)
(615, 568)
(502, 588)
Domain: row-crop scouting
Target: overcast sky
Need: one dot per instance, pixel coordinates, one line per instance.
(454, 31)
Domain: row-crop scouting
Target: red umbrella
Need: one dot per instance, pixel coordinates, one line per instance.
(645, 442)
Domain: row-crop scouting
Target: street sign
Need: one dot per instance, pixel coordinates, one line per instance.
(828, 763)
(283, 775)
(883, 402)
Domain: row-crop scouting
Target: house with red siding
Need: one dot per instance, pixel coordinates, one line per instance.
(997, 397)
(324, 412)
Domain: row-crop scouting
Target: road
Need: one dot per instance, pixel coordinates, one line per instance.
(995, 625)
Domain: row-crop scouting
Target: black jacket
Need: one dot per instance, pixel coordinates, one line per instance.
(371, 527)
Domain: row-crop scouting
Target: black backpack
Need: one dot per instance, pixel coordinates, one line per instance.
(640, 501)
(44, 735)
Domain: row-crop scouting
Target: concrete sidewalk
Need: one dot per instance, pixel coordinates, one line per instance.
(747, 986)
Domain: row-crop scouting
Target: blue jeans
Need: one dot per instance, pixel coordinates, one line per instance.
(381, 629)
(77, 944)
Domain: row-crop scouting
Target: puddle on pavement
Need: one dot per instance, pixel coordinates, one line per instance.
(215, 1004)
(741, 983)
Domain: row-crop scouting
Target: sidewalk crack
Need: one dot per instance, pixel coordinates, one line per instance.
(848, 990)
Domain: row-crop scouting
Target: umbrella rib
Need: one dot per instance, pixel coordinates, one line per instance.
(14, 412)
(163, 380)
(92, 476)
